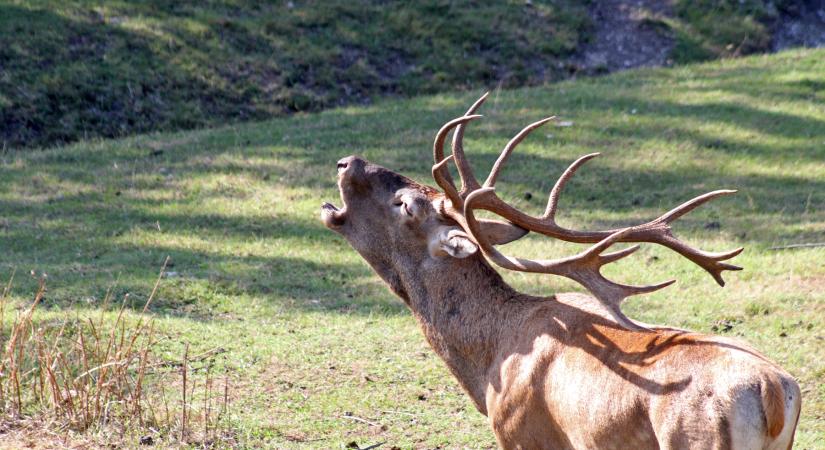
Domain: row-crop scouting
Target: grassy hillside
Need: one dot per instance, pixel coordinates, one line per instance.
(74, 69)
(311, 336)
(77, 69)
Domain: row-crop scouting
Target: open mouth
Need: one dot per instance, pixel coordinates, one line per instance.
(332, 216)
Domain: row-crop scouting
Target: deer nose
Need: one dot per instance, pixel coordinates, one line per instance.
(350, 162)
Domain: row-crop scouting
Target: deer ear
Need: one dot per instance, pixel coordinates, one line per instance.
(498, 232)
(451, 241)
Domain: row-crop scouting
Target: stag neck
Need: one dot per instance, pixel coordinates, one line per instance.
(462, 316)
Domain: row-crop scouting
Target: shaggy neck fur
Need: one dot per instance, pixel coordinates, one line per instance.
(461, 316)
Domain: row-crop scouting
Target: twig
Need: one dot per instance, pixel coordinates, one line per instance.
(399, 412)
(804, 245)
(225, 395)
(362, 420)
(374, 446)
(157, 283)
(95, 369)
(197, 358)
(183, 413)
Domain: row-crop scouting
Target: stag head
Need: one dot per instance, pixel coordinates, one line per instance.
(396, 223)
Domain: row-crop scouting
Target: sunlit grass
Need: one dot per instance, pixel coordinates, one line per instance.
(310, 332)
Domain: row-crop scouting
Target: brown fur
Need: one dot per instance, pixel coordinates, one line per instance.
(556, 372)
(773, 404)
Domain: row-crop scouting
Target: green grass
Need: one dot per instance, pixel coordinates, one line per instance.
(79, 68)
(709, 29)
(313, 337)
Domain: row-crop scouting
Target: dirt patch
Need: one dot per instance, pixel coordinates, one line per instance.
(626, 36)
(633, 33)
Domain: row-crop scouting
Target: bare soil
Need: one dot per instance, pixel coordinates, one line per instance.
(627, 33)
(624, 38)
(801, 25)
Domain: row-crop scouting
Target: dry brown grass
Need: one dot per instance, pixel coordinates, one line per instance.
(88, 382)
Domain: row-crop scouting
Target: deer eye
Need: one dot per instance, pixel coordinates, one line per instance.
(402, 206)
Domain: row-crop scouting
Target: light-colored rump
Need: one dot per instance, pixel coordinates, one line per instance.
(774, 412)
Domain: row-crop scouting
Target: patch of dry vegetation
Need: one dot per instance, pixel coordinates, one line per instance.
(87, 381)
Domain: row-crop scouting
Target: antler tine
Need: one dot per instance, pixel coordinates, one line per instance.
(502, 158)
(469, 182)
(583, 268)
(445, 181)
(710, 261)
(440, 173)
(690, 205)
(553, 200)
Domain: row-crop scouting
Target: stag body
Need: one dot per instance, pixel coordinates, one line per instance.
(567, 371)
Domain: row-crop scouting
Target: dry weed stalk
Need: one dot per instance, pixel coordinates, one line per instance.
(90, 373)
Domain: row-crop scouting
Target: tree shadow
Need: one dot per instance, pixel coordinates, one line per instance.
(635, 358)
(92, 74)
(113, 189)
(83, 254)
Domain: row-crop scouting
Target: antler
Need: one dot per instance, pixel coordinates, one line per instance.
(584, 267)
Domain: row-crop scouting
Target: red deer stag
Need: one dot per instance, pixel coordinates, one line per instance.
(569, 371)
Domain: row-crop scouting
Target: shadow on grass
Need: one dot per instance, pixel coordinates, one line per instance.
(85, 256)
(82, 73)
(81, 239)
(74, 212)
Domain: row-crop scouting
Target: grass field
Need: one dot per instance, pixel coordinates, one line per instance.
(313, 339)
